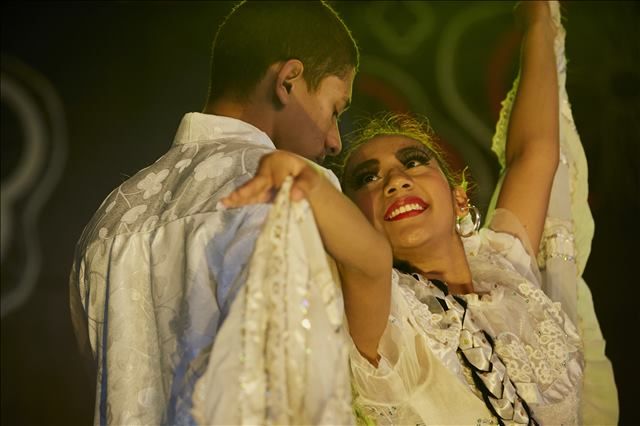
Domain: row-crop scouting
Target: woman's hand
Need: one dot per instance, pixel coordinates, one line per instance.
(273, 169)
(529, 13)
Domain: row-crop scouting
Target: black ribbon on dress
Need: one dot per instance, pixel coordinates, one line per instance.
(476, 350)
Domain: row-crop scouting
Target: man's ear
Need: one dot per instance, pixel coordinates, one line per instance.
(289, 75)
(461, 201)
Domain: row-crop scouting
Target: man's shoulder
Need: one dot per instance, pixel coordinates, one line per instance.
(184, 184)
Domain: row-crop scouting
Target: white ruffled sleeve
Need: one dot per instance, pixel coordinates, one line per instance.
(399, 368)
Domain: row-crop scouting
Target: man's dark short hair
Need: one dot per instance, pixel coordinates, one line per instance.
(258, 33)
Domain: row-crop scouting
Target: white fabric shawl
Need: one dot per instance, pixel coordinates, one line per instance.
(281, 357)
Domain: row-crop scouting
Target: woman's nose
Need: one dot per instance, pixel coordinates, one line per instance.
(397, 180)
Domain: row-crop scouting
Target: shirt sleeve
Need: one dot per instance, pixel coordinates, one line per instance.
(232, 258)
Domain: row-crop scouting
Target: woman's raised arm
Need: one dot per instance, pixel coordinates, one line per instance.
(532, 148)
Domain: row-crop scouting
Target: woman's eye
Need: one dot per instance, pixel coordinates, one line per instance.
(415, 159)
(368, 178)
(364, 179)
(415, 162)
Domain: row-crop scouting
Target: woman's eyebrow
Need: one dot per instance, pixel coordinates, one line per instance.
(401, 153)
(365, 165)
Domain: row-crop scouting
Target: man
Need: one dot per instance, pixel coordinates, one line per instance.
(159, 264)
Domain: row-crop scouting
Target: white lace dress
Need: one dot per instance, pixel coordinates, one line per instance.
(421, 378)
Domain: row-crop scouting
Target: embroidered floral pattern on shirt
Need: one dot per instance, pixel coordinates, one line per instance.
(152, 183)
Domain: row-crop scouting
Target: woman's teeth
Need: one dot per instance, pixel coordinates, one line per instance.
(404, 209)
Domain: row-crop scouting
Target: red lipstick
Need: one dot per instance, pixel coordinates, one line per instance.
(406, 207)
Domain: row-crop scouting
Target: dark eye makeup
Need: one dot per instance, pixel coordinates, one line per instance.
(363, 176)
(414, 156)
(368, 171)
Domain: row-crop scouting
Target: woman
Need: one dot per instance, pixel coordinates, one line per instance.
(460, 332)
(491, 314)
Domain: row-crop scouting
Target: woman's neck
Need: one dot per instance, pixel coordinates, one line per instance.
(446, 262)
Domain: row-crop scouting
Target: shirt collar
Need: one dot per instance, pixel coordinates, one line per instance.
(198, 127)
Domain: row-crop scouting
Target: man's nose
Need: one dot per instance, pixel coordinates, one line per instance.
(333, 143)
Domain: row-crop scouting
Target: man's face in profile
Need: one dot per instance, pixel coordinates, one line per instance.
(312, 129)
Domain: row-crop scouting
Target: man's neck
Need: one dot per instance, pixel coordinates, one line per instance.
(248, 112)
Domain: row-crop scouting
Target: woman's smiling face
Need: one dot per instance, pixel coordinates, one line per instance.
(397, 183)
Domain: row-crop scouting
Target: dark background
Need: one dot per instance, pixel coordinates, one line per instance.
(110, 81)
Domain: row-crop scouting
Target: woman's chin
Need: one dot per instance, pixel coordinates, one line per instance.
(410, 241)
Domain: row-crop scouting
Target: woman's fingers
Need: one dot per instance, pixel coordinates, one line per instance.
(257, 190)
(304, 183)
(272, 171)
